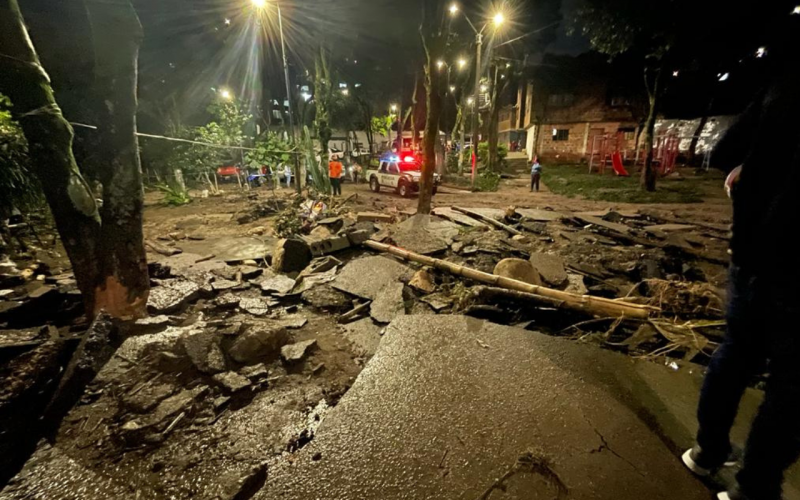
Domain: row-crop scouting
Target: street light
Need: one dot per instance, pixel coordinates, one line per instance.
(462, 63)
(498, 20)
(225, 94)
(261, 6)
(393, 108)
(440, 64)
(452, 88)
(453, 9)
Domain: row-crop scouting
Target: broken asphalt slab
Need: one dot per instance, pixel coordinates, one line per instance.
(232, 249)
(448, 404)
(425, 234)
(367, 276)
(457, 217)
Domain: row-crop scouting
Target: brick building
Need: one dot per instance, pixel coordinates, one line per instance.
(567, 106)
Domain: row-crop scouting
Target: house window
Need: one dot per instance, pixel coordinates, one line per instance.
(560, 100)
(620, 101)
(560, 134)
(629, 136)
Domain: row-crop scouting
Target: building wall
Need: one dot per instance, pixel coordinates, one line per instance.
(578, 145)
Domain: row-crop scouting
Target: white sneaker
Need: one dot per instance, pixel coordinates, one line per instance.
(724, 496)
(693, 460)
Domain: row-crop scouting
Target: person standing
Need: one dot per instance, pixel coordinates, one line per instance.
(536, 174)
(761, 153)
(287, 173)
(335, 175)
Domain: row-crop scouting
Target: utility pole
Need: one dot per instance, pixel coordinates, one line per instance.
(297, 179)
(476, 104)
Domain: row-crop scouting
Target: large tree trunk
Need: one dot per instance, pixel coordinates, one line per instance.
(434, 43)
(49, 136)
(123, 286)
(649, 174)
(108, 259)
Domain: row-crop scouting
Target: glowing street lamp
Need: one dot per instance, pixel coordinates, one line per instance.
(471, 101)
(462, 63)
(440, 64)
(226, 94)
(452, 88)
(453, 9)
(499, 19)
(259, 4)
(393, 108)
(795, 12)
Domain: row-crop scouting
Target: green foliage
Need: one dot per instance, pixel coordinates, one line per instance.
(18, 186)
(174, 196)
(270, 149)
(226, 129)
(383, 124)
(487, 181)
(483, 152)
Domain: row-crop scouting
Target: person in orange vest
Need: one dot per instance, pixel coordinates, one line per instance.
(335, 174)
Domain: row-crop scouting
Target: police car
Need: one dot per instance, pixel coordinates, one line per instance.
(399, 172)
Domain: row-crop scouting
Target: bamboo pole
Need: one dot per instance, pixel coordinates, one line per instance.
(488, 220)
(595, 305)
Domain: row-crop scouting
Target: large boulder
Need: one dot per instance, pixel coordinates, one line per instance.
(259, 344)
(518, 269)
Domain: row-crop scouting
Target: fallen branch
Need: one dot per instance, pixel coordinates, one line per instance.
(487, 292)
(487, 220)
(598, 306)
(162, 249)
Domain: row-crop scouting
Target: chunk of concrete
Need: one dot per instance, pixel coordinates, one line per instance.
(373, 217)
(279, 284)
(425, 234)
(389, 303)
(550, 267)
(327, 298)
(202, 347)
(172, 295)
(364, 335)
(518, 269)
(259, 344)
(329, 245)
(232, 382)
(293, 353)
(222, 285)
(256, 307)
(366, 277)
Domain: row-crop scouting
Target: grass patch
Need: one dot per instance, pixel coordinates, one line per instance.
(576, 181)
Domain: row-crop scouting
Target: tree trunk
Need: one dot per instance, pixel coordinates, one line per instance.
(49, 136)
(109, 259)
(456, 126)
(434, 47)
(123, 286)
(649, 175)
(413, 111)
(463, 138)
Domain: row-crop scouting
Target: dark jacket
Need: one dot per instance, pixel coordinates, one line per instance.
(766, 200)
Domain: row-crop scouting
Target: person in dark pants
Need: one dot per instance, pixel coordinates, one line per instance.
(761, 152)
(536, 175)
(335, 173)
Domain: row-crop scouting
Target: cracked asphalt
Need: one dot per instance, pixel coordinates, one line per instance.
(449, 404)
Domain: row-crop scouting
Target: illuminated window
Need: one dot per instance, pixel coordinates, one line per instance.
(560, 134)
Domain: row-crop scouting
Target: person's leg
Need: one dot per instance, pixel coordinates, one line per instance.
(733, 365)
(339, 186)
(538, 179)
(533, 181)
(774, 441)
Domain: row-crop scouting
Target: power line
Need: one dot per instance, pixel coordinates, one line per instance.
(186, 141)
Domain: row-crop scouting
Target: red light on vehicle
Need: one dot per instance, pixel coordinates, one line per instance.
(409, 159)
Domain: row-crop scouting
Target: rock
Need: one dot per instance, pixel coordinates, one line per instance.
(246, 486)
(227, 273)
(356, 238)
(203, 349)
(278, 284)
(576, 285)
(422, 281)
(227, 301)
(365, 336)
(334, 224)
(373, 217)
(258, 344)
(327, 298)
(6, 294)
(169, 362)
(534, 227)
(380, 270)
(255, 372)
(550, 267)
(437, 301)
(321, 265)
(231, 330)
(296, 352)
(232, 382)
(389, 303)
(320, 233)
(222, 285)
(256, 307)
(250, 272)
(152, 324)
(518, 269)
(293, 323)
(148, 398)
(425, 234)
(43, 292)
(172, 295)
(170, 407)
(290, 255)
